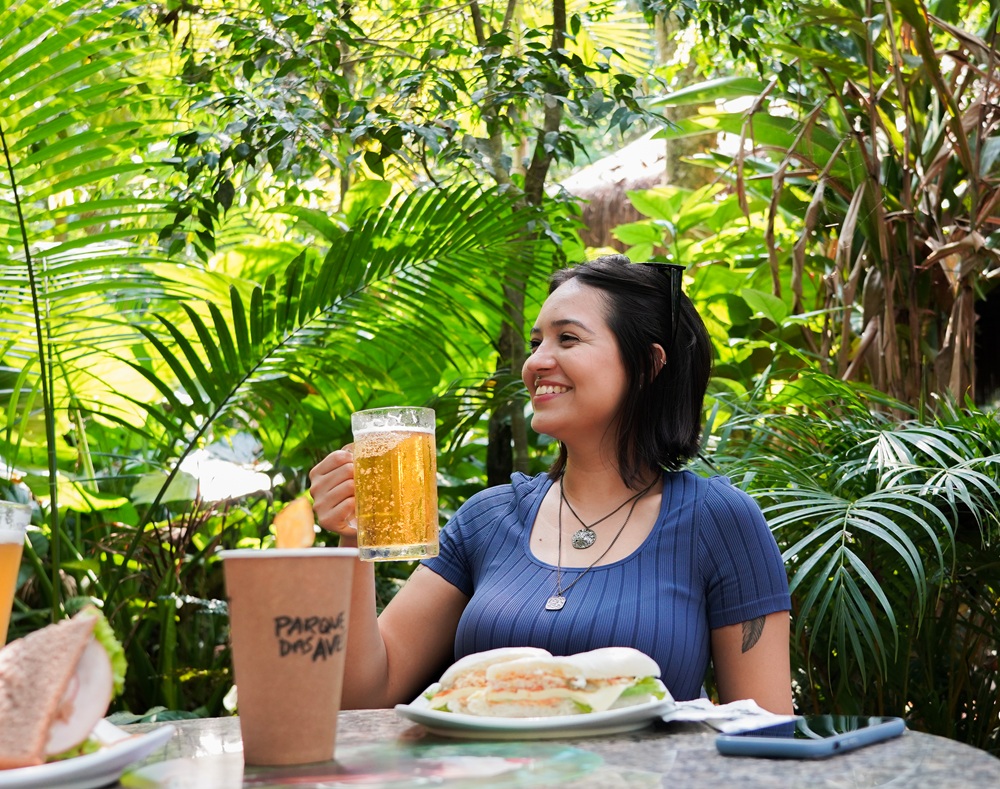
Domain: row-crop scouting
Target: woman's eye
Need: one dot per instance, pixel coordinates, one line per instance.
(533, 344)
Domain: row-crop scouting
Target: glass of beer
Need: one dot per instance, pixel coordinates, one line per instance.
(395, 482)
(14, 520)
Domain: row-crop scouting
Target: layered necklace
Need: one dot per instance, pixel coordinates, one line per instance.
(558, 600)
(585, 537)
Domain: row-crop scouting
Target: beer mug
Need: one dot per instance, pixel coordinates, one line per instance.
(395, 482)
(14, 520)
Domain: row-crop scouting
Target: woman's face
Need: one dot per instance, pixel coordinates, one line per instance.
(574, 374)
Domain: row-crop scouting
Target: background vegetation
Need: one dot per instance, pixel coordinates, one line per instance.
(226, 227)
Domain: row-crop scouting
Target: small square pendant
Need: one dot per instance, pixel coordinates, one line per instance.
(555, 602)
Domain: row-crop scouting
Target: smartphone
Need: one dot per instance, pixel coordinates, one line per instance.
(810, 736)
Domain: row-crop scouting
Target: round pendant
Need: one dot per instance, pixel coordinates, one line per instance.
(555, 602)
(584, 538)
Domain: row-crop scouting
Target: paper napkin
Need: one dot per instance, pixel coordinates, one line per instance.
(735, 716)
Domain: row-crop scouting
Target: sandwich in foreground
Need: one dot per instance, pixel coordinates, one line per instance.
(55, 685)
(510, 683)
(467, 676)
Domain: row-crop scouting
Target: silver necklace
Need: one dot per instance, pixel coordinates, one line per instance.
(558, 600)
(585, 537)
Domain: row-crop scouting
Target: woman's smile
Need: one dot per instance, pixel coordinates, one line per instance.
(550, 389)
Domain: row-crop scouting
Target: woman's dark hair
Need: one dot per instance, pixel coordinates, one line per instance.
(660, 417)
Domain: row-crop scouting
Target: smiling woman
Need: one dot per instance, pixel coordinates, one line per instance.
(575, 372)
(681, 568)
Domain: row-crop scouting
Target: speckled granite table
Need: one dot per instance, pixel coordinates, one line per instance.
(378, 748)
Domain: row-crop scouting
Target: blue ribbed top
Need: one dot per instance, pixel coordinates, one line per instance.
(709, 561)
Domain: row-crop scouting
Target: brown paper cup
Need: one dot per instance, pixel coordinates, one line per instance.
(288, 625)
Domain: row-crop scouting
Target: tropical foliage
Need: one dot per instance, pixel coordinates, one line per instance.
(888, 530)
(226, 227)
(120, 361)
(875, 140)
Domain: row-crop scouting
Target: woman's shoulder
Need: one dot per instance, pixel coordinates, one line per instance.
(692, 483)
(716, 496)
(520, 486)
(521, 491)
(718, 484)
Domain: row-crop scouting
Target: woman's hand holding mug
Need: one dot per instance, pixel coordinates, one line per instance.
(332, 490)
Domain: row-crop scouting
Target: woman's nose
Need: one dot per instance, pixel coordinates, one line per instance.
(539, 361)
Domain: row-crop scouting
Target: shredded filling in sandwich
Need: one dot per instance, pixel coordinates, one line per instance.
(468, 676)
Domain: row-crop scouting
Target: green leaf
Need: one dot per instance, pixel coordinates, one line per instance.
(183, 487)
(711, 91)
(318, 220)
(765, 305)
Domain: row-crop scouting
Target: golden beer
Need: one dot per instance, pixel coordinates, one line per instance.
(395, 481)
(14, 519)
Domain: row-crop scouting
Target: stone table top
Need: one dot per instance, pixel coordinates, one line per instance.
(379, 748)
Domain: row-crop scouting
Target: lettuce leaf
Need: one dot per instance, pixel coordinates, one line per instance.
(90, 745)
(646, 685)
(105, 636)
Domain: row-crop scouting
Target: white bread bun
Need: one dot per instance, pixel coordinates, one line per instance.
(604, 663)
(85, 700)
(481, 661)
(611, 662)
(523, 682)
(548, 665)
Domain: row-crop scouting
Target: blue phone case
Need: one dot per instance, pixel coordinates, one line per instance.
(817, 737)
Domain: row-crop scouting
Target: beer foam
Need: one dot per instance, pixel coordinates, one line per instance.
(378, 441)
(14, 536)
(367, 431)
(14, 518)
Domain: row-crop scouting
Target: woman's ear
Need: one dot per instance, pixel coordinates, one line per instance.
(659, 358)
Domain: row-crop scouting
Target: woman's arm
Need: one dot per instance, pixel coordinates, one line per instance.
(417, 630)
(751, 662)
(392, 657)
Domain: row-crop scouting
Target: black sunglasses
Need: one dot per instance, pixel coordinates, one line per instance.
(675, 273)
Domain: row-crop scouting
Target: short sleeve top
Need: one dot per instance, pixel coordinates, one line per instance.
(709, 561)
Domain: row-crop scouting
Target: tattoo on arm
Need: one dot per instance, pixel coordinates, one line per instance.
(751, 632)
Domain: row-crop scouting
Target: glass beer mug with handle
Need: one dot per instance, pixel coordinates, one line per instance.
(395, 481)
(14, 520)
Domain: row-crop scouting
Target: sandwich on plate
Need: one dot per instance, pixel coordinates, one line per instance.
(544, 685)
(55, 686)
(468, 676)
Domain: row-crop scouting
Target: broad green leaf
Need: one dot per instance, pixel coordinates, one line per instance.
(149, 488)
(721, 89)
(765, 305)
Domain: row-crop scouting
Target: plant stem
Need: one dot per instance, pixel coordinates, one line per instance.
(47, 406)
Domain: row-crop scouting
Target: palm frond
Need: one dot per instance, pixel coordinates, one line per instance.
(866, 509)
(75, 142)
(388, 309)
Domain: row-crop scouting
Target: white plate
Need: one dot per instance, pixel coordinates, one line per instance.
(99, 768)
(587, 724)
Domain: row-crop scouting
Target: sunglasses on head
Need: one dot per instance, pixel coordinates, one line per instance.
(675, 273)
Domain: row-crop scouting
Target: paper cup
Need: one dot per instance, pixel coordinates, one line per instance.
(288, 614)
